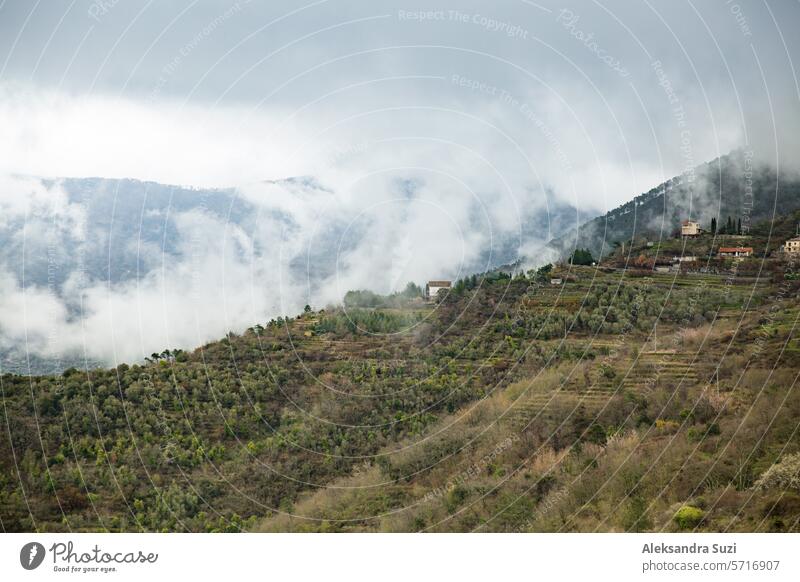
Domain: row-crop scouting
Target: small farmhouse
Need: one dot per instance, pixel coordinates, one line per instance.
(792, 246)
(556, 281)
(433, 287)
(735, 251)
(690, 228)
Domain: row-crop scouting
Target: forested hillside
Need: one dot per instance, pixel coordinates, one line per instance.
(734, 185)
(616, 400)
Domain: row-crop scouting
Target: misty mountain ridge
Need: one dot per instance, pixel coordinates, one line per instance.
(98, 249)
(89, 258)
(734, 185)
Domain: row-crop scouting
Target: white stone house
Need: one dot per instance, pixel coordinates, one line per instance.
(735, 251)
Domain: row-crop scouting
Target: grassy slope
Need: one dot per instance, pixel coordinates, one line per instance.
(224, 435)
(478, 414)
(619, 442)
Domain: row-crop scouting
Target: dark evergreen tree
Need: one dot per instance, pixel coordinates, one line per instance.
(581, 257)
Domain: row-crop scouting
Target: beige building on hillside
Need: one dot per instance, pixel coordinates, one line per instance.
(690, 228)
(792, 246)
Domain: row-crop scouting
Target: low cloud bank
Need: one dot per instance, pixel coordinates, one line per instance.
(73, 284)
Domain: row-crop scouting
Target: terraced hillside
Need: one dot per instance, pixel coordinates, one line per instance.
(511, 404)
(616, 432)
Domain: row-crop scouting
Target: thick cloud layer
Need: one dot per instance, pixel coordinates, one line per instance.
(441, 138)
(114, 270)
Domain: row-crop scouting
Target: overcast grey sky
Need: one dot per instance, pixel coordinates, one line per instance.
(610, 94)
(439, 131)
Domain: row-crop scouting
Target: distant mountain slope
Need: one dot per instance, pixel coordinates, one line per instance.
(131, 255)
(732, 185)
(114, 230)
(62, 238)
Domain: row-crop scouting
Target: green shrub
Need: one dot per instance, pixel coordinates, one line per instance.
(635, 517)
(608, 371)
(581, 257)
(688, 517)
(455, 498)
